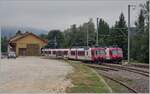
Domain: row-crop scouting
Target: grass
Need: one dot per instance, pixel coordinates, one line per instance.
(85, 80)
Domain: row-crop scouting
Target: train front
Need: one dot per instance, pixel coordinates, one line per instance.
(98, 55)
(114, 54)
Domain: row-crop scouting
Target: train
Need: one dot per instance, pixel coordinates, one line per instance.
(93, 54)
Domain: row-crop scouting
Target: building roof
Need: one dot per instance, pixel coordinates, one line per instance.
(18, 37)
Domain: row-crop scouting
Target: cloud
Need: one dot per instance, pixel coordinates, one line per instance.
(61, 14)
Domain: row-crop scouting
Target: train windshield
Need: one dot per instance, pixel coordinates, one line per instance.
(119, 51)
(100, 52)
(115, 52)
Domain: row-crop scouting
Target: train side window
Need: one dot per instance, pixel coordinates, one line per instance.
(49, 52)
(86, 53)
(72, 52)
(81, 53)
(65, 52)
(54, 52)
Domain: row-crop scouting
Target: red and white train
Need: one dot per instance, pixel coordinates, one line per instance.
(114, 54)
(95, 55)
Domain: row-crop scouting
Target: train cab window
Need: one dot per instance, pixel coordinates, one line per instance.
(98, 52)
(119, 52)
(114, 52)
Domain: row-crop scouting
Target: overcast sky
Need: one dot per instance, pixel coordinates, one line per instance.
(48, 14)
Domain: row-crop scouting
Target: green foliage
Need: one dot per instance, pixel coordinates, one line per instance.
(4, 43)
(44, 36)
(140, 40)
(89, 82)
(91, 33)
(119, 34)
(18, 32)
(103, 33)
(56, 39)
(77, 36)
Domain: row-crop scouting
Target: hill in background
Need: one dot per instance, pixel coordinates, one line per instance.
(10, 31)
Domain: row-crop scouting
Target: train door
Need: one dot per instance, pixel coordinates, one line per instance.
(87, 55)
(107, 53)
(76, 54)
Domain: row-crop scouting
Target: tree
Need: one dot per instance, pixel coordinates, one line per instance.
(91, 32)
(77, 36)
(145, 8)
(44, 36)
(140, 47)
(136, 38)
(4, 44)
(67, 38)
(73, 35)
(140, 23)
(103, 33)
(18, 32)
(56, 39)
(119, 34)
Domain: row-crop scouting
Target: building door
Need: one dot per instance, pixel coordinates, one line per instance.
(22, 51)
(33, 50)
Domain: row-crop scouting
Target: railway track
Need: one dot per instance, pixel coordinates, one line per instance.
(139, 71)
(105, 73)
(119, 82)
(139, 65)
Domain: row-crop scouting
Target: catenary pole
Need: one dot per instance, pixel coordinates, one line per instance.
(97, 33)
(129, 33)
(87, 36)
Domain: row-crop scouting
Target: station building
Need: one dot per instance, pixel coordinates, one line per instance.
(26, 44)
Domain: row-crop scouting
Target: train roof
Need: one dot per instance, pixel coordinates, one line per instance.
(114, 48)
(87, 48)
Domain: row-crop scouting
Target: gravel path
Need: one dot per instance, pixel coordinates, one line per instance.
(33, 75)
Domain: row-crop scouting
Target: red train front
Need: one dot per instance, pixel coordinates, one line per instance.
(95, 55)
(98, 55)
(114, 54)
